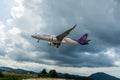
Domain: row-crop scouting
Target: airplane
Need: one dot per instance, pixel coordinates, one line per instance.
(62, 39)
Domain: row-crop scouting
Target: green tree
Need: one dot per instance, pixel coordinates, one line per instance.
(53, 73)
(43, 73)
(1, 74)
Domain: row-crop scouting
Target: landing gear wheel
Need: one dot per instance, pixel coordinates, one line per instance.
(38, 41)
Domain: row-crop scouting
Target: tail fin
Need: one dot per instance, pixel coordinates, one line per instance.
(83, 40)
(84, 37)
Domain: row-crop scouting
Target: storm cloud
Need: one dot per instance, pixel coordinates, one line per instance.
(100, 19)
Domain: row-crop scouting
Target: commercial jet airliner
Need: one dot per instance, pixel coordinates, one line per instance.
(62, 39)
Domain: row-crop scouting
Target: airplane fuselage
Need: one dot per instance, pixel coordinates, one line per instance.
(52, 40)
(62, 39)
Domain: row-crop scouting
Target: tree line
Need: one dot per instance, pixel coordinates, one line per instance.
(54, 74)
(1, 74)
(51, 73)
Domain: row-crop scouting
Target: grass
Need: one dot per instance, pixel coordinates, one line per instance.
(44, 79)
(13, 76)
(8, 76)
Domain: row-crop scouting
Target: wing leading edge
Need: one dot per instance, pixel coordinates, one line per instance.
(64, 34)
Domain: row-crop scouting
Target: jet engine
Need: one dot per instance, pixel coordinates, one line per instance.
(53, 38)
(51, 44)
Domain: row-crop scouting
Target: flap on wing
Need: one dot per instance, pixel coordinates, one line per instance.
(61, 36)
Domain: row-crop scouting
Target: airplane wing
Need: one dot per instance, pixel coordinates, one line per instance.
(64, 34)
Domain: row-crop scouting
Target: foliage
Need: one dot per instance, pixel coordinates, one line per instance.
(53, 73)
(8, 76)
(43, 73)
(1, 74)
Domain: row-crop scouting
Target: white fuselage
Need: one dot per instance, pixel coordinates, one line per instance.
(53, 39)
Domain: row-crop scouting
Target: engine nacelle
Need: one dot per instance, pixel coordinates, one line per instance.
(51, 44)
(53, 38)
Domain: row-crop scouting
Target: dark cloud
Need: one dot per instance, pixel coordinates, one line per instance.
(98, 18)
(2, 52)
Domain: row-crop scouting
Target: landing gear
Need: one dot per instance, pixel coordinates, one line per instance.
(38, 41)
(58, 45)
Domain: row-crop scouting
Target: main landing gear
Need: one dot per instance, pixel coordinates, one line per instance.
(38, 41)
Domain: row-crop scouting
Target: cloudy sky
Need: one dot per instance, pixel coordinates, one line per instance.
(19, 19)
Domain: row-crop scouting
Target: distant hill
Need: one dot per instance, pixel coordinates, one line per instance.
(18, 71)
(103, 76)
(73, 77)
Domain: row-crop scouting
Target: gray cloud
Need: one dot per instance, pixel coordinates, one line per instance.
(2, 52)
(98, 18)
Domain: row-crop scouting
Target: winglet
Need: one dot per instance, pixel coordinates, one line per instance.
(74, 26)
